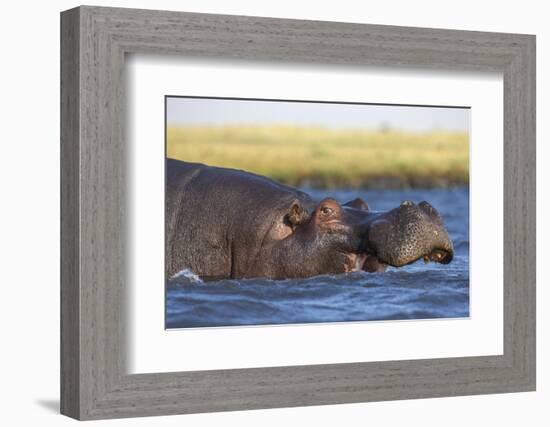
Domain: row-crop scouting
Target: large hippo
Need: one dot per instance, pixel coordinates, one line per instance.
(225, 223)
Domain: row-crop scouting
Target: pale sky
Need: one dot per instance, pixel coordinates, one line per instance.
(217, 112)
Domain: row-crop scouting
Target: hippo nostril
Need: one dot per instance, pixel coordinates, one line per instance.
(425, 204)
(407, 203)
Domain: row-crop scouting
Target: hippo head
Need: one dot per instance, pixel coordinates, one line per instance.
(335, 238)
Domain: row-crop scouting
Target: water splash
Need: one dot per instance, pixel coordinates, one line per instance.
(185, 277)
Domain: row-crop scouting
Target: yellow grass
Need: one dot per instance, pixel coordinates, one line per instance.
(328, 158)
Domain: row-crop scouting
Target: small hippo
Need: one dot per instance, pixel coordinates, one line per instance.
(226, 223)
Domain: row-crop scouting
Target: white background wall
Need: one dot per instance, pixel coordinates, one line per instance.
(29, 212)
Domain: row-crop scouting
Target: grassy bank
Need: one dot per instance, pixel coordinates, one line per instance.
(329, 158)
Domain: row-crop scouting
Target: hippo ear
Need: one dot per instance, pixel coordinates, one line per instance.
(358, 203)
(297, 214)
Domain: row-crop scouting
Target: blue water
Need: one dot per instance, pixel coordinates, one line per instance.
(417, 291)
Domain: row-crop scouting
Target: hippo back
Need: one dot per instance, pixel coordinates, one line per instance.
(217, 218)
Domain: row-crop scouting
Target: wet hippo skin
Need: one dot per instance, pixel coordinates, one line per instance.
(226, 223)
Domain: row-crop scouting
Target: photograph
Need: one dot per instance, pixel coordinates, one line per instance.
(298, 212)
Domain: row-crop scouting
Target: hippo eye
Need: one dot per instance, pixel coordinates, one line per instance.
(326, 210)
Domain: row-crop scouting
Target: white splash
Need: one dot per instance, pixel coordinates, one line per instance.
(186, 276)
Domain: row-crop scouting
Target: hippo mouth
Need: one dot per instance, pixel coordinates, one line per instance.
(365, 262)
(372, 264)
(407, 254)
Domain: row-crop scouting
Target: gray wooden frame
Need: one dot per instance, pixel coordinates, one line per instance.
(94, 41)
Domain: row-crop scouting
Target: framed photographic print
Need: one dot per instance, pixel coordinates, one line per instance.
(262, 213)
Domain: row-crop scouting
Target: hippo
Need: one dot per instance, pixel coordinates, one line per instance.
(227, 223)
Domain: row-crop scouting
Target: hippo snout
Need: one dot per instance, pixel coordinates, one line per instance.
(408, 233)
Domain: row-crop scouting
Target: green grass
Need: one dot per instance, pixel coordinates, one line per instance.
(329, 158)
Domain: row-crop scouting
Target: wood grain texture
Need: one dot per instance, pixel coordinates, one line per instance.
(70, 257)
(94, 271)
